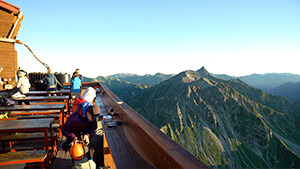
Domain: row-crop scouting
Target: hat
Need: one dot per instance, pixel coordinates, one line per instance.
(96, 110)
(22, 72)
(89, 94)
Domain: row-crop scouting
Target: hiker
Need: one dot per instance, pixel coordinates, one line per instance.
(23, 85)
(75, 86)
(1, 82)
(81, 125)
(79, 75)
(50, 82)
(89, 95)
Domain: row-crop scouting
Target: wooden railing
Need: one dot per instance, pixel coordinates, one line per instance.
(146, 144)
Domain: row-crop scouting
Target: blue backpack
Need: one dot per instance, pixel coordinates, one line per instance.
(4, 101)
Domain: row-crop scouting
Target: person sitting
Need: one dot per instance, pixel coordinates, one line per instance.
(89, 95)
(23, 85)
(50, 82)
(83, 123)
(75, 85)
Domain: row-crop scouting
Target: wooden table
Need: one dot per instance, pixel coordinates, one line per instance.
(32, 110)
(66, 99)
(58, 92)
(30, 156)
(11, 126)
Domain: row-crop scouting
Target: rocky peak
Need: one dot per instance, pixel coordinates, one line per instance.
(204, 73)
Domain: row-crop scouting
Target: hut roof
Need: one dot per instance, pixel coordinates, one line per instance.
(9, 7)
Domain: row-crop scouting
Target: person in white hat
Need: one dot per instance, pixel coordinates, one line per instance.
(23, 85)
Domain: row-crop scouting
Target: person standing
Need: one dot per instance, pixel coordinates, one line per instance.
(23, 85)
(75, 85)
(79, 75)
(50, 82)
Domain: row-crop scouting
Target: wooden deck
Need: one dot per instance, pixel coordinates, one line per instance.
(62, 160)
(135, 143)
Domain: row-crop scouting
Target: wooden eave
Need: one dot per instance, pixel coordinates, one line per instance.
(9, 7)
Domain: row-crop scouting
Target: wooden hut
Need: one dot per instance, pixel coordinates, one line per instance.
(10, 22)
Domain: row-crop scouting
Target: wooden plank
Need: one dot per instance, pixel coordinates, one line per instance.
(6, 46)
(9, 7)
(6, 15)
(64, 92)
(13, 166)
(33, 107)
(17, 28)
(119, 152)
(11, 125)
(7, 53)
(108, 158)
(23, 157)
(41, 98)
(22, 136)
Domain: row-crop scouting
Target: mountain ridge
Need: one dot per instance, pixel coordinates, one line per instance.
(289, 90)
(198, 106)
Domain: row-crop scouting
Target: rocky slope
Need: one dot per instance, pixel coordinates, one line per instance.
(224, 123)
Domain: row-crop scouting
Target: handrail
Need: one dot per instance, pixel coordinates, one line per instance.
(148, 141)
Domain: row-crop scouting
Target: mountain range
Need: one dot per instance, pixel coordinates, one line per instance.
(282, 84)
(149, 80)
(225, 123)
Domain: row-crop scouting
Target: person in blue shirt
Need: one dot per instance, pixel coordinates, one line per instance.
(75, 85)
(79, 75)
(50, 82)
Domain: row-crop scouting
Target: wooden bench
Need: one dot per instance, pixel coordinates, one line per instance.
(15, 137)
(55, 116)
(22, 136)
(38, 110)
(38, 156)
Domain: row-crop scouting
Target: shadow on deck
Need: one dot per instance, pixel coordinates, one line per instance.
(62, 159)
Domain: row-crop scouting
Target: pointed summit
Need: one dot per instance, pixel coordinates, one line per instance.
(203, 72)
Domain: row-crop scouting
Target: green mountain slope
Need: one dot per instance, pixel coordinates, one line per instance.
(224, 123)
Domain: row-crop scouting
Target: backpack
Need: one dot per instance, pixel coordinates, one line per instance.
(4, 101)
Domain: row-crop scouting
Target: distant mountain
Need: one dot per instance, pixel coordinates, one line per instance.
(266, 82)
(269, 81)
(149, 80)
(272, 83)
(87, 79)
(124, 89)
(289, 90)
(226, 124)
(223, 76)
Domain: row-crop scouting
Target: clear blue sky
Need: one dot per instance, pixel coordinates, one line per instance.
(234, 37)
